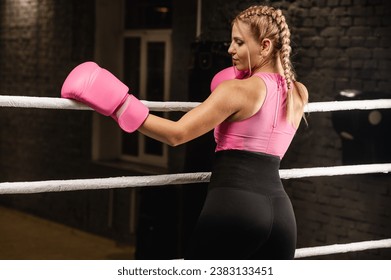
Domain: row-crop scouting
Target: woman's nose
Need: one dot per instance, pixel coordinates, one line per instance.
(231, 49)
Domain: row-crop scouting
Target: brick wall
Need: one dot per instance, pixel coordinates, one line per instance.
(39, 44)
(341, 45)
(337, 44)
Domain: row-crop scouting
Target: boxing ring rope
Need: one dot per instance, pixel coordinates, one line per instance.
(342, 248)
(188, 178)
(174, 179)
(67, 104)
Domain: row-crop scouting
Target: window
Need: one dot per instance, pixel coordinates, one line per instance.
(133, 41)
(146, 68)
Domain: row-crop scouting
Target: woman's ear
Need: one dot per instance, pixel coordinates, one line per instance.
(266, 46)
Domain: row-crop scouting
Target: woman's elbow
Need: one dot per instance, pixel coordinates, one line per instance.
(175, 140)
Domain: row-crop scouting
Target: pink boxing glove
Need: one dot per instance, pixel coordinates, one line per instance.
(102, 91)
(229, 73)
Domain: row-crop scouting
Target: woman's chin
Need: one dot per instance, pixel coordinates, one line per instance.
(239, 67)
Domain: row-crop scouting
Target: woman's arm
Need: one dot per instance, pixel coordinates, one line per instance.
(229, 98)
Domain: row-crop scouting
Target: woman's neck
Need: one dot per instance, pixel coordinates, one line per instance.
(270, 67)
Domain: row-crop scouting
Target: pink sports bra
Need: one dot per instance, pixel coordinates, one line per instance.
(268, 130)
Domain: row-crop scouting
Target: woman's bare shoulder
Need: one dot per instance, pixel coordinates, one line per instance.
(302, 92)
(247, 94)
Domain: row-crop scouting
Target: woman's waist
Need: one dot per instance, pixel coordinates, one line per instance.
(245, 170)
(248, 161)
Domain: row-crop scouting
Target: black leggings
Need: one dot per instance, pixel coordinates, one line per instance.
(247, 214)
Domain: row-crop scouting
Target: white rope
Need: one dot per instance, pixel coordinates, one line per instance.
(172, 179)
(68, 104)
(40, 102)
(335, 170)
(102, 183)
(60, 103)
(342, 248)
(330, 106)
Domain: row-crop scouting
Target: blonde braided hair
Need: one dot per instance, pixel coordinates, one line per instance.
(268, 22)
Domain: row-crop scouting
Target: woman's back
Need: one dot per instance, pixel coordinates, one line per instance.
(268, 130)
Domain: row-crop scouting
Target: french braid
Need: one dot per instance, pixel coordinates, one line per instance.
(268, 22)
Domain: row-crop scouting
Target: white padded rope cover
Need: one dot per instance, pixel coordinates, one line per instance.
(335, 170)
(60, 103)
(342, 248)
(173, 179)
(102, 183)
(331, 106)
(68, 104)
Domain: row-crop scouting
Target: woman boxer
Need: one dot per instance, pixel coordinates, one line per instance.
(255, 109)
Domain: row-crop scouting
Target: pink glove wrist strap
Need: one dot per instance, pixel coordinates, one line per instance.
(131, 115)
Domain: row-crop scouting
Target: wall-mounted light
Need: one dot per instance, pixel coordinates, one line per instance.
(163, 10)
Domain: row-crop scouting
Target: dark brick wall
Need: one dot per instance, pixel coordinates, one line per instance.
(337, 44)
(340, 45)
(39, 44)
